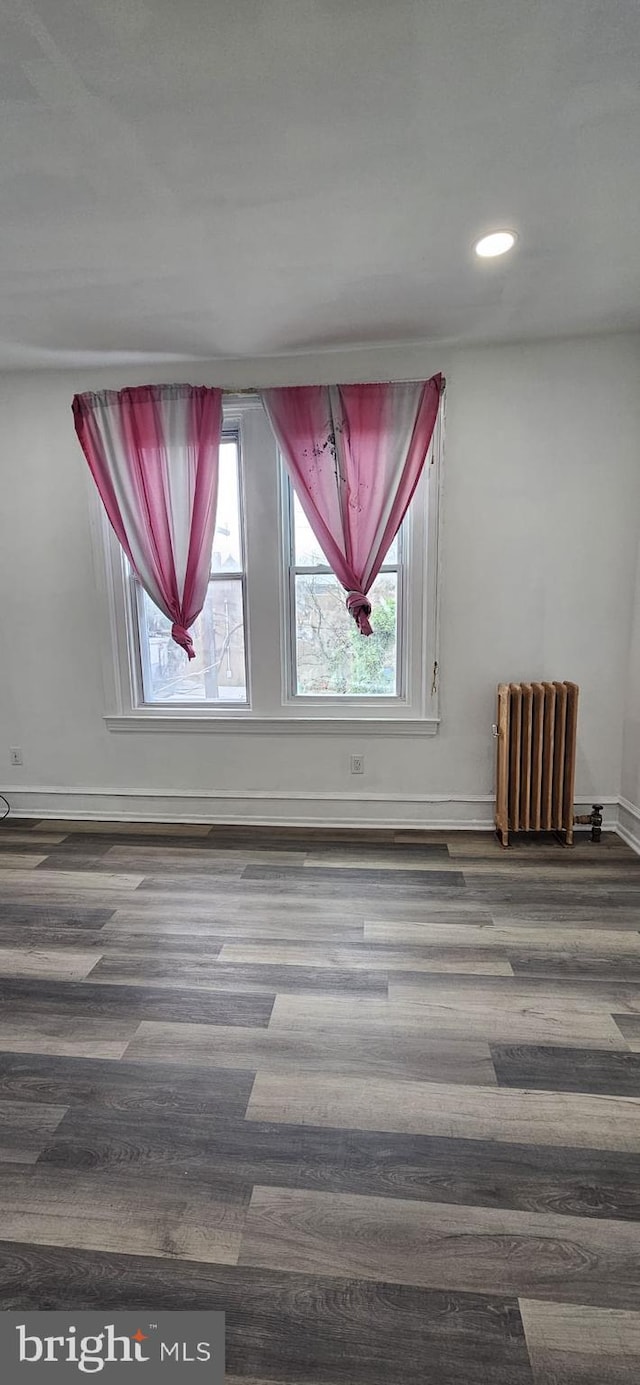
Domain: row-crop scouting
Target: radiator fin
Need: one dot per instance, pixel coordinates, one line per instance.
(537, 725)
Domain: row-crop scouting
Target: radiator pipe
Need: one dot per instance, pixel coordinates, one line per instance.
(592, 819)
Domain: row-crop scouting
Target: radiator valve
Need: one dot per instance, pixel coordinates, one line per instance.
(592, 819)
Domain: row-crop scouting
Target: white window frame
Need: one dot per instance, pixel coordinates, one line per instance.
(271, 706)
(333, 702)
(134, 604)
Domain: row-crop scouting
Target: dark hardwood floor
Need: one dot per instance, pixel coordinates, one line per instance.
(379, 1100)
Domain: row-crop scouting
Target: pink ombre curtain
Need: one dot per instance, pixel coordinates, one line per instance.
(153, 453)
(355, 454)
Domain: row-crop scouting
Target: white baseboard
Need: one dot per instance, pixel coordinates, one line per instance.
(443, 812)
(628, 825)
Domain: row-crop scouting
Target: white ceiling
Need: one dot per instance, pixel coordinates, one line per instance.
(247, 177)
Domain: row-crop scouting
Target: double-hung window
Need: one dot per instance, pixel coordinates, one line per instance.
(218, 674)
(275, 644)
(329, 656)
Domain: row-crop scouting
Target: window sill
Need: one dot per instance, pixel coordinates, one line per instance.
(271, 726)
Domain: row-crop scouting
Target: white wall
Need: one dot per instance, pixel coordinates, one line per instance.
(540, 518)
(630, 777)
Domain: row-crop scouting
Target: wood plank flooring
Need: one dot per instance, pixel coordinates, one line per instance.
(377, 1096)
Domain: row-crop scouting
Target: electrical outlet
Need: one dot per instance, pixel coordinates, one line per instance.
(15, 755)
(357, 764)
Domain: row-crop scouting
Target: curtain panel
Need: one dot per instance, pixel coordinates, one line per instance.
(355, 454)
(153, 454)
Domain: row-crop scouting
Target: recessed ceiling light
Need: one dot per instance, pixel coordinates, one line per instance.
(496, 244)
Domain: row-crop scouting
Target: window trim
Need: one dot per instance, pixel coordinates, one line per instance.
(363, 727)
(416, 714)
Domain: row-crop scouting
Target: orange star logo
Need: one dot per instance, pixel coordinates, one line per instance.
(138, 1336)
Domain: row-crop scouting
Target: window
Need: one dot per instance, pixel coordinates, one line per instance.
(218, 673)
(275, 644)
(330, 658)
